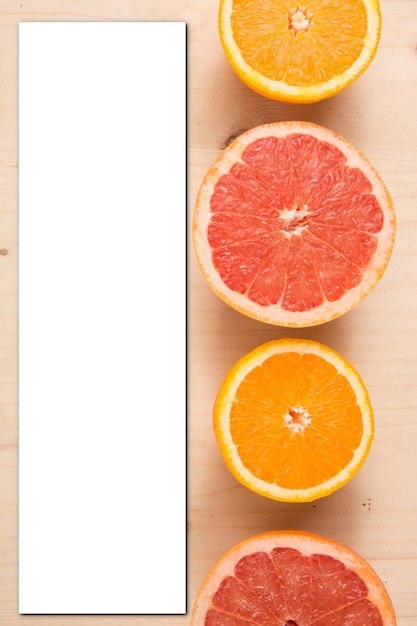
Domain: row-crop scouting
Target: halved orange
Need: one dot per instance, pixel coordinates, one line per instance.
(292, 578)
(299, 51)
(292, 224)
(293, 420)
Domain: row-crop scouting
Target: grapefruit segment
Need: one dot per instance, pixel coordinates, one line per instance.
(292, 225)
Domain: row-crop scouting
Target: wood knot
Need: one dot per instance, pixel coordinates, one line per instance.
(232, 137)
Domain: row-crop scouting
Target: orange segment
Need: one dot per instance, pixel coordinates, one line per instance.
(293, 420)
(301, 52)
(292, 578)
(292, 224)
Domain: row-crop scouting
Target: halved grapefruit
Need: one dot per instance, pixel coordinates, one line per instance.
(292, 578)
(292, 224)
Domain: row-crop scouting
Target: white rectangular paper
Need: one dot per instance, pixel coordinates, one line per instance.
(102, 280)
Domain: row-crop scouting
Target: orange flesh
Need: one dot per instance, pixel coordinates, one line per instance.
(328, 42)
(285, 588)
(295, 421)
(292, 224)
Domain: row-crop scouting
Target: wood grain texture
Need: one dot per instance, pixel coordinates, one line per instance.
(375, 514)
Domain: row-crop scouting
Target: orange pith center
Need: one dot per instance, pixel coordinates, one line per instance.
(297, 418)
(299, 19)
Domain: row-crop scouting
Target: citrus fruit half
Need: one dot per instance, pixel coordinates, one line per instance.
(293, 420)
(292, 224)
(292, 578)
(299, 52)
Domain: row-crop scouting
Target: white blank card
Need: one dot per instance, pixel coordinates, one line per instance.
(102, 281)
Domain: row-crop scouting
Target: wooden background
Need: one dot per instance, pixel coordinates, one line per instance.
(376, 513)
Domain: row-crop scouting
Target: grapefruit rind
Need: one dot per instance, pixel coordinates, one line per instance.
(307, 543)
(274, 314)
(282, 91)
(227, 393)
